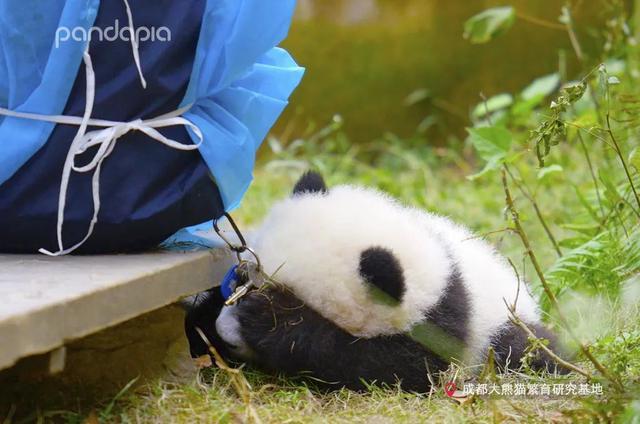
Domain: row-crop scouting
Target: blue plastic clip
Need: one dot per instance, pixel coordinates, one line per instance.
(229, 282)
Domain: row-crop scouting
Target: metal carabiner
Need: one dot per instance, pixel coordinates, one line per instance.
(253, 278)
(238, 249)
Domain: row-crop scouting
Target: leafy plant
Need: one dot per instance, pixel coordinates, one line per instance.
(599, 247)
(553, 130)
(488, 24)
(492, 144)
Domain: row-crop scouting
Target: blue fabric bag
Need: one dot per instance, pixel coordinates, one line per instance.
(219, 66)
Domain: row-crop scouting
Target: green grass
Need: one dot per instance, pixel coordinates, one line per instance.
(211, 400)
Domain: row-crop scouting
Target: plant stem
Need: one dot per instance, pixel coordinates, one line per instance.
(517, 321)
(526, 193)
(621, 157)
(237, 379)
(575, 43)
(593, 173)
(547, 289)
(449, 108)
(540, 22)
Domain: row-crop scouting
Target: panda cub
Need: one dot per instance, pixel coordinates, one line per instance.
(369, 291)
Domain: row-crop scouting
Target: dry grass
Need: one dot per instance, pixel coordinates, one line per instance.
(210, 398)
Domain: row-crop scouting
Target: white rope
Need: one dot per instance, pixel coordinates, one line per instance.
(134, 45)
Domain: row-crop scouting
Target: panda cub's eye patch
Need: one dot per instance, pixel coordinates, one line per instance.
(382, 271)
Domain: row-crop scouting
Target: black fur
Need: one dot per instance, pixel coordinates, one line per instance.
(310, 182)
(453, 310)
(288, 336)
(446, 327)
(202, 313)
(380, 268)
(511, 343)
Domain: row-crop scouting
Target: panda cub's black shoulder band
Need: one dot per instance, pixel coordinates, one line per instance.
(310, 182)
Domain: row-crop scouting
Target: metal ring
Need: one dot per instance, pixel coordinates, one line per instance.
(253, 253)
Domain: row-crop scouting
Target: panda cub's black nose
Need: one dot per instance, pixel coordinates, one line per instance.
(382, 271)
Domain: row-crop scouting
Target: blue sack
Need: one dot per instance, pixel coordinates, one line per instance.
(219, 66)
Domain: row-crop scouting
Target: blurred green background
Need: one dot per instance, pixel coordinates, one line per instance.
(364, 58)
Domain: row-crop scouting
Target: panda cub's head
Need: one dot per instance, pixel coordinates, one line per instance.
(357, 257)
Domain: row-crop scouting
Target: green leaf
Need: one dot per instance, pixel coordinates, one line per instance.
(489, 24)
(427, 123)
(616, 67)
(610, 189)
(417, 96)
(541, 87)
(572, 93)
(603, 82)
(634, 159)
(492, 144)
(492, 165)
(565, 16)
(535, 93)
(542, 173)
(587, 228)
(587, 205)
(492, 104)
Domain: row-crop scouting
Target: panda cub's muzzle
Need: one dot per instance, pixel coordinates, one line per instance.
(211, 322)
(229, 329)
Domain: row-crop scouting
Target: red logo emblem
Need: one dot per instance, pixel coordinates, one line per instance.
(450, 388)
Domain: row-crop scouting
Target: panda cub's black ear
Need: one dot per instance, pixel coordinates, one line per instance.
(310, 182)
(382, 271)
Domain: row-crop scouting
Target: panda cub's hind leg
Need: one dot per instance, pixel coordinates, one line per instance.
(511, 343)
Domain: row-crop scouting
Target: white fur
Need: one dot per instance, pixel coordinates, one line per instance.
(314, 242)
(228, 329)
(490, 281)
